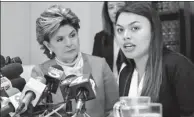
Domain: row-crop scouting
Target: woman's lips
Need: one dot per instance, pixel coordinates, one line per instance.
(70, 50)
(129, 47)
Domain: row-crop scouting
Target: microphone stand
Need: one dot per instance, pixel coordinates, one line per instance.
(49, 97)
(82, 96)
(83, 111)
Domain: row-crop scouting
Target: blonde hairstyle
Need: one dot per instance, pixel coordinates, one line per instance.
(50, 21)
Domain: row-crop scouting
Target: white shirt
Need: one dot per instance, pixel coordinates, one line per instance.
(76, 69)
(115, 56)
(135, 88)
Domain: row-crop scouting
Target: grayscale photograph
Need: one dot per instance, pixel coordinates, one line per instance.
(97, 59)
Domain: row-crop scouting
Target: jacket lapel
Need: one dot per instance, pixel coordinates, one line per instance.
(86, 67)
(126, 81)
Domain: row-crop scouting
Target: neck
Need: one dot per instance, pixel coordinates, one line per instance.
(141, 65)
(70, 62)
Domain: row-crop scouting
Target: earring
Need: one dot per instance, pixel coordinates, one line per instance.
(51, 52)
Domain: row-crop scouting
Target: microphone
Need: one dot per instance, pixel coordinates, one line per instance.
(34, 89)
(65, 89)
(12, 70)
(16, 60)
(18, 83)
(53, 77)
(13, 60)
(31, 93)
(83, 89)
(2, 61)
(10, 104)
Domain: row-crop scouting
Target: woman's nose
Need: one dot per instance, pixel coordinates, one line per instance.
(127, 35)
(68, 42)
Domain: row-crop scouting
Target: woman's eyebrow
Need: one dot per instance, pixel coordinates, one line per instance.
(128, 24)
(119, 25)
(133, 22)
(72, 31)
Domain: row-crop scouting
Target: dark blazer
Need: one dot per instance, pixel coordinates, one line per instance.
(103, 47)
(177, 88)
(107, 89)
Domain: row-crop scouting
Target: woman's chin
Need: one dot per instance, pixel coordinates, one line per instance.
(70, 57)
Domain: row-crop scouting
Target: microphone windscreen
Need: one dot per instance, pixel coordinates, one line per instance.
(53, 77)
(16, 60)
(12, 71)
(2, 61)
(18, 83)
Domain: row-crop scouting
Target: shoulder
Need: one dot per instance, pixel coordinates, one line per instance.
(43, 67)
(101, 34)
(93, 59)
(177, 61)
(172, 57)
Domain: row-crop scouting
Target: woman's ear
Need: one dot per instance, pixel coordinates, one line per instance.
(47, 45)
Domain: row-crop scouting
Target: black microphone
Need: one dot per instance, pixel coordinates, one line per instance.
(18, 83)
(12, 70)
(10, 103)
(2, 61)
(53, 77)
(65, 89)
(83, 88)
(9, 60)
(31, 93)
(16, 60)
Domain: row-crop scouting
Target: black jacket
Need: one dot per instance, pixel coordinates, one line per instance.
(103, 47)
(177, 88)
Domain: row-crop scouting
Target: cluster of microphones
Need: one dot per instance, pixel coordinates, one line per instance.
(17, 95)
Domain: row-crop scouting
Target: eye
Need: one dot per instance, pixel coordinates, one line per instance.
(120, 30)
(72, 35)
(135, 28)
(59, 39)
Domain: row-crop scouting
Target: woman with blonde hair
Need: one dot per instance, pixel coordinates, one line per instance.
(57, 33)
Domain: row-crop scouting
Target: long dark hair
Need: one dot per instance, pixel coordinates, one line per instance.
(106, 21)
(153, 72)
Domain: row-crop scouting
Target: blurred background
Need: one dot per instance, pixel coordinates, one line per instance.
(18, 23)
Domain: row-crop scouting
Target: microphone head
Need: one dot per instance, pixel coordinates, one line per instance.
(64, 86)
(35, 86)
(55, 71)
(18, 83)
(16, 60)
(2, 61)
(7, 60)
(86, 84)
(12, 71)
